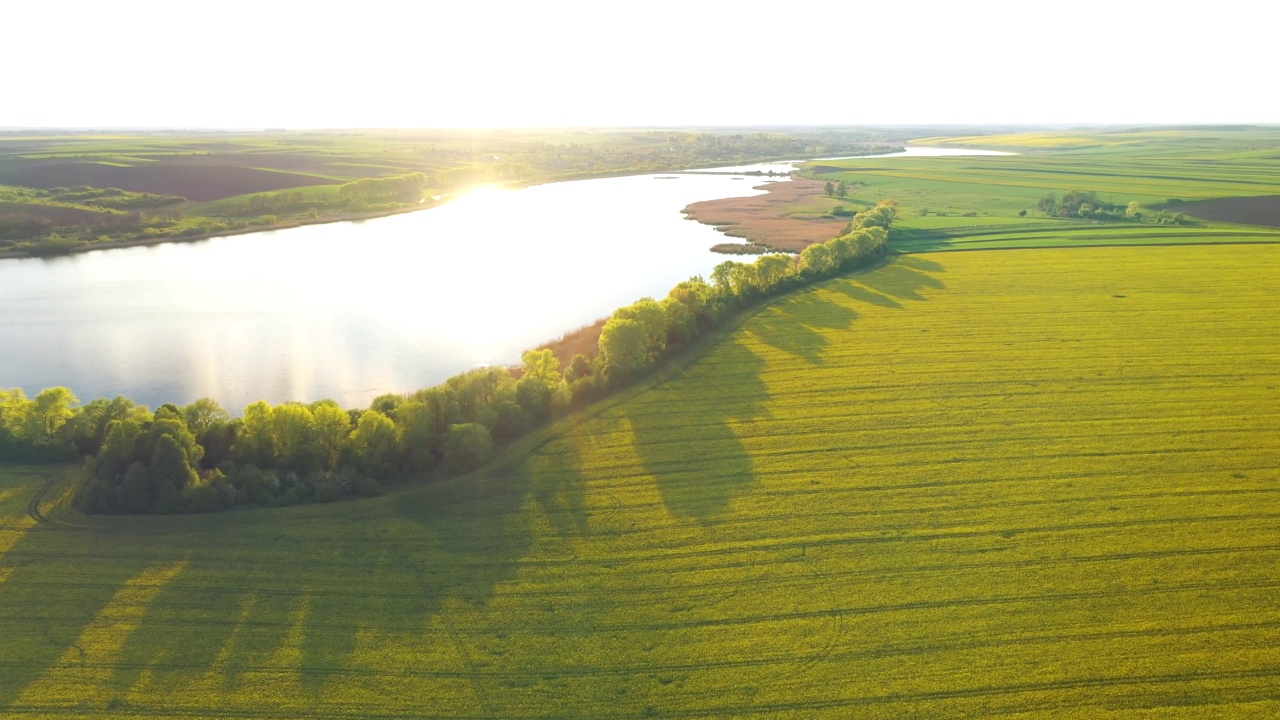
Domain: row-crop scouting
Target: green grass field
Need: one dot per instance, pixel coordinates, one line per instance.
(1020, 484)
(974, 202)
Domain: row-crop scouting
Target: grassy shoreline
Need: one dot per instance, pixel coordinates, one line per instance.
(323, 220)
(68, 194)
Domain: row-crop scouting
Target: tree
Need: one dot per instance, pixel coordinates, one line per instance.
(477, 392)
(542, 365)
(375, 442)
(204, 414)
(50, 411)
(882, 215)
(771, 270)
(816, 260)
(119, 450)
(829, 189)
(682, 324)
(15, 409)
(293, 430)
(744, 280)
(720, 275)
(136, 492)
(418, 428)
(255, 444)
(467, 446)
(170, 468)
(579, 367)
(842, 189)
(332, 432)
(1134, 210)
(177, 431)
(533, 395)
(386, 404)
(652, 318)
(622, 345)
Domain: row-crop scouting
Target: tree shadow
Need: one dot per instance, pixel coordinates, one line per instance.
(685, 431)
(901, 280)
(561, 493)
(796, 325)
(475, 528)
(42, 562)
(864, 294)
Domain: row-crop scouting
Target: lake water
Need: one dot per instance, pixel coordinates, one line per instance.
(786, 166)
(355, 309)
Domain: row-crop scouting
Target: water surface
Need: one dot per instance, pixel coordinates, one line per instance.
(355, 309)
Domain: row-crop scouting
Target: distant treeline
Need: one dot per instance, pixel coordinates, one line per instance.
(1078, 203)
(403, 188)
(197, 458)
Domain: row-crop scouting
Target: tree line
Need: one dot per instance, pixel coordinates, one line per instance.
(402, 188)
(197, 458)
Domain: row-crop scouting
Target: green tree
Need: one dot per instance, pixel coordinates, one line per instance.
(386, 404)
(119, 450)
(829, 189)
(419, 427)
(332, 433)
(816, 261)
(87, 430)
(445, 411)
(623, 345)
(579, 367)
(467, 447)
(533, 395)
(771, 270)
(721, 275)
(542, 365)
(293, 430)
(477, 392)
(177, 431)
(682, 324)
(136, 492)
(204, 414)
(170, 467)
(255, 445)
(52, 410)
(375, 442)
(652, 318)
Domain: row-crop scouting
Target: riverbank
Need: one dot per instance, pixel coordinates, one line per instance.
(789, 217)
(283, 225)
(301, 221)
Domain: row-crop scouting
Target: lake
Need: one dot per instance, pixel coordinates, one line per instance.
(353, 310)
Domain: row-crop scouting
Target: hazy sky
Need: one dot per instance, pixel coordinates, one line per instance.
(495, 63)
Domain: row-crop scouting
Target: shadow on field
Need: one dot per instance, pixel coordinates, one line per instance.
(278, 596)
(48, 573)
(904, 278)
(686, 432)
(799, 325)
(562, 494)
(476, 532)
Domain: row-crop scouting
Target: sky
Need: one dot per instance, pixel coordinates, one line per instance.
(236, 64)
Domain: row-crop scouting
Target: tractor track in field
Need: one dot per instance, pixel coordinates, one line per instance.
(33, 507)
